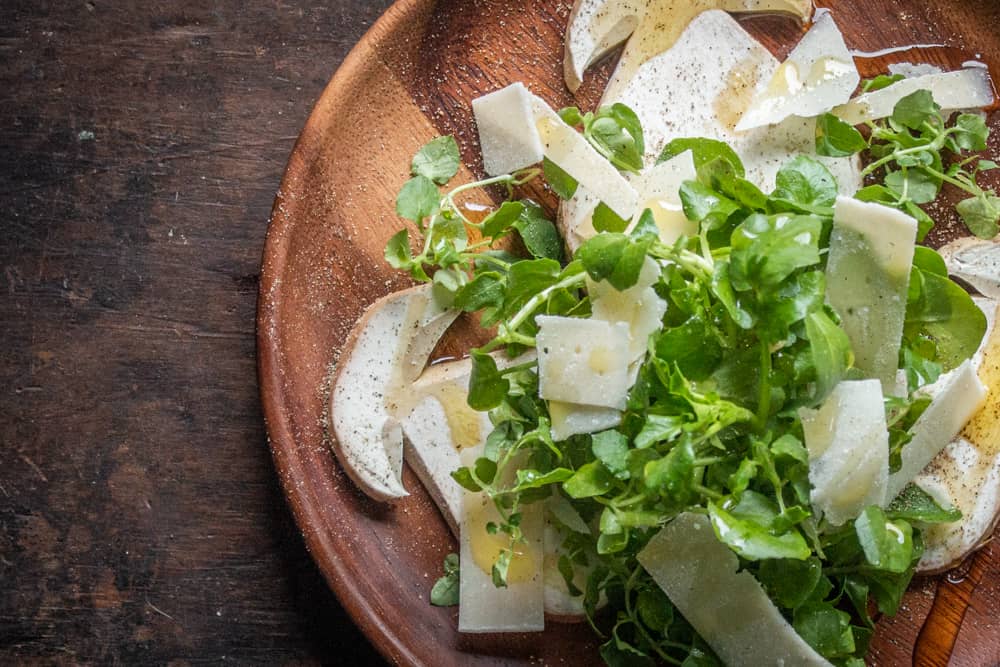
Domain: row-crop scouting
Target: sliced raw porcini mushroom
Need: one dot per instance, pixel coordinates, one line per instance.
(969, 88)
(966, 474)
(729, 609)
(977, 262)
(386, 351)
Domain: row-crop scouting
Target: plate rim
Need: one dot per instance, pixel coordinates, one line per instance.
(273, 395)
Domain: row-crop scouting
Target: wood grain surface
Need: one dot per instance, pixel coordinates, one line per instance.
(141, 145)
(410, 79)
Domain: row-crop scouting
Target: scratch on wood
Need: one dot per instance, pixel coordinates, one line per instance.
(34, 467)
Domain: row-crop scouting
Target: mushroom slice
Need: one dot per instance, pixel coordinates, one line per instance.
(966, 475)
(386, 350)
(977, 262)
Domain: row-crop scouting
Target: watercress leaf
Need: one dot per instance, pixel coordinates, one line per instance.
(629, 121)
(645, 226)
(500, 568)
(836, 138)
(534, 479)
(486, 289)
(571, 116)
(790, 582)
(929, 261)
(397, 250)
(606, 220)
(825, 628)
(654, 609)
(500, 220)
(614, 141)
(464, 477)
(693, 347)
(946, 314)
(565, 566)
(723, 289)
(915, 504)
(527, 278)
(876, 193)
(487, 387)
(438, 160)
(562, 183)
(611, 449)
(617, 653)
(703, 204)
(981, 214)
(538, 233)
(445, 284)
(703, 151)
(589, 480)
(609, 543)
(790, 447)
(805, 184)
(418, 199)
(914, 185)
(915, 109)
(887, 545)
(659, 428)
(754, 541)
(831, 351)
(880, 82)
(671, 476)
(767, 249)
(924, 221)
(444, 593)
(614, 257)
(970, 132)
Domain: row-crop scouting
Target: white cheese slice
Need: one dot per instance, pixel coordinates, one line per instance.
(520, 607)
(639, 306)
(958, 400)
(818, 75)
(729, 609)
(848, 445)
(658, 189)
(507, 132)
(969, 88)
(573, 419)
(867, 275)
(583, 361)
(977, 262)
(567, 148)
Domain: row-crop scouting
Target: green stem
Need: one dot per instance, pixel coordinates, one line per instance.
(764, 395)
(705, 491)
(534, 302)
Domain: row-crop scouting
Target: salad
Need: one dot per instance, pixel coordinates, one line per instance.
(703, 403)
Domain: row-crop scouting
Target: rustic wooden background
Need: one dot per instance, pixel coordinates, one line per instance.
(141, 144)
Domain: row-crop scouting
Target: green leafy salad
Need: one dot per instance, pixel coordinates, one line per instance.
(712, 422)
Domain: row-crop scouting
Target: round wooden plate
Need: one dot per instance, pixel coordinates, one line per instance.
(411, 78)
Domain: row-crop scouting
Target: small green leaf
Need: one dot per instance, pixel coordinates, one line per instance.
(887, 545)
(444, 593)
(754, 541)
(438, 160)
(703, 151)
(880, 82)
(418, 199)
(831, 351)
(981, 214)
(500, 220)
(606, 220)
(591, 479)
(487, 388)
(805, 184)
(836, 138)
(486, 289)
(562, 183)
(790, 582)
(915, 109)
(915, 504)
(611, 449)
(397, 250)
(825, 628)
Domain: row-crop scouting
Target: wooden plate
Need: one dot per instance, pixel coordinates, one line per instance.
(411, 78)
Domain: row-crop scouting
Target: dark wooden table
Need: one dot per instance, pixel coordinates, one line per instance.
(141, 144)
